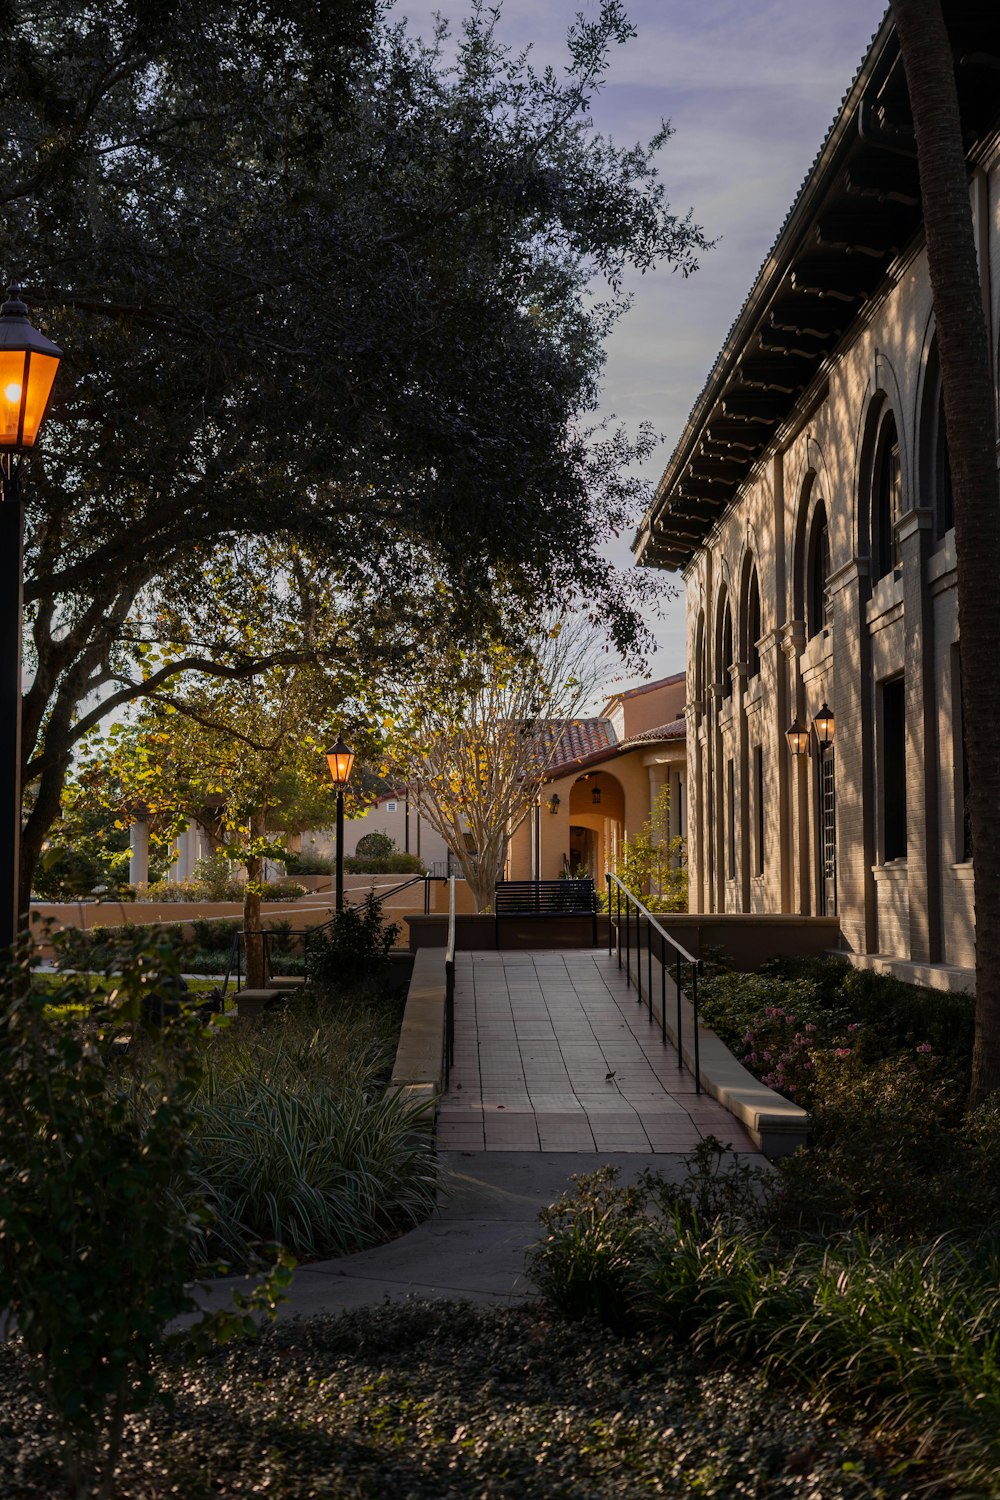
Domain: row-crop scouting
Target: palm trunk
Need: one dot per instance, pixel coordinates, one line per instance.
(963, 348)
(256, 968)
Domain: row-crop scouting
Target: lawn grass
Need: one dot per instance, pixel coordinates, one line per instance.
(422, 1401)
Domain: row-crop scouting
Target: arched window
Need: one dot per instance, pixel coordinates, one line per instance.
(944, 504)
(753, 628)
(818, 571)
(887, 500)
(726, 652)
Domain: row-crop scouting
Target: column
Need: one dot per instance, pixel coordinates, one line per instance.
(923, 863)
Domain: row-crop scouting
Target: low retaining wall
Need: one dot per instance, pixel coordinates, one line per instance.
(749, 939)
(418, 1071)
(775, 1125)
(477, 932)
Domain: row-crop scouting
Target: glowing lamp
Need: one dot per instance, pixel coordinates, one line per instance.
(823, 725)
(28, 365)
(798, 738)
(341, 762)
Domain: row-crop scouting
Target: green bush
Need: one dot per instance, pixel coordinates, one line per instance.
(354, 946)
(304, 863)
(392, 864)
(297, 1140)
(375, 845)
(99, 1209)
(904, 1335)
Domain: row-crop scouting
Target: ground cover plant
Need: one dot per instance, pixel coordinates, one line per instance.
(900, 1338)
(425, 1400)
(100, 1212)
(883, 1068)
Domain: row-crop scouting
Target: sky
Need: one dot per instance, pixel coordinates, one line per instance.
(751, 88)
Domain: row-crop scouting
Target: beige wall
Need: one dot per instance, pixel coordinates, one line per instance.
(628, 783)
(916, 908)
(648, 707)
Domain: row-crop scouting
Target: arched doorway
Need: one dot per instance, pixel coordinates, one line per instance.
(597, 824)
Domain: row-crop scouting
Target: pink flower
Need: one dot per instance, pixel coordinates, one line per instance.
(854, 1026)
(925, 1049)
(842, 1052)
(810, 1026)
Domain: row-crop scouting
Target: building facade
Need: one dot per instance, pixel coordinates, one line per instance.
(808, 506)
(603, 785)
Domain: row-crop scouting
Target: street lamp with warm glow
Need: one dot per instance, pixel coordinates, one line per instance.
(341, 763)
(28, 364)
(798, 738)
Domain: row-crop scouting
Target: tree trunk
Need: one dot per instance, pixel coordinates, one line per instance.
(963, 348)
(253, 937)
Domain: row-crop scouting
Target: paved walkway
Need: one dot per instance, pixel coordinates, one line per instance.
(553, 1053)
(529, 1104)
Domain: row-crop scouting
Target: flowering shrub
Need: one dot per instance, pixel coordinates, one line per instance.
(201, 890)
(779, 1050)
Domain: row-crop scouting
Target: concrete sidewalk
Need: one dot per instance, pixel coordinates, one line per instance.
(474, 1244)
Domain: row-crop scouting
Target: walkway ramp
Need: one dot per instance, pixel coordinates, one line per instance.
(553, 1054)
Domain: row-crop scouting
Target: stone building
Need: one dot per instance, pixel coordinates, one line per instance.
(808, 507)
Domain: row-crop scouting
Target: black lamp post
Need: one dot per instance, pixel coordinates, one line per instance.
(28, 364)
(341, 762)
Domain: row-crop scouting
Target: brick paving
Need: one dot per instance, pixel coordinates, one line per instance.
(537, 1036)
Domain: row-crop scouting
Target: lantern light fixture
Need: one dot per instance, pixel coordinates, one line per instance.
(595, 796)
(341, 762)
(797, 737)
(823, 724)
(553, 803)
(28, 365)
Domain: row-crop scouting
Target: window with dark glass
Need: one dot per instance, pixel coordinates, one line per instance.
(753, 626)
(894, 769)
(964, 822)
(758, 792)
(944, 505)
(819, 571)
(886, 500)
(727, 653)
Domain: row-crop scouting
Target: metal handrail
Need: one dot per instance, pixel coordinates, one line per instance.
(449, 983)
(623, 896)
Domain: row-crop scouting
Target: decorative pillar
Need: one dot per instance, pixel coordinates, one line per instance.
(138, 864)
(793, 640)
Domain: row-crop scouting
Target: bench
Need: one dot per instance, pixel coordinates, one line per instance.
(545, 898)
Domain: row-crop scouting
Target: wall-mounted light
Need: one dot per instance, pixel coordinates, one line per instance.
(823, 725)
(798, 738)
(595, 796)
(553, 803)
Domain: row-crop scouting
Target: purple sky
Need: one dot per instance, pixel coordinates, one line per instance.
(751, 89)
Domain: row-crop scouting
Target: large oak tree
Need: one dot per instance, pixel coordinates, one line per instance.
(312, 279)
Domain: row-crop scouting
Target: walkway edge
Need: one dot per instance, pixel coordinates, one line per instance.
(776, 1126)
(418, 1070)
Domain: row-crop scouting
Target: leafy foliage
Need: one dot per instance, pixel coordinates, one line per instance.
(298, 1142)
(478, 1403)
(475, 734)
(355, 945)
(99, 1216)
(652, 864)
(347, 259)
(375, 845)
(394, 864)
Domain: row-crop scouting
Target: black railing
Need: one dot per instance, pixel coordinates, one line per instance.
(621, 905)
(303, 937)
(449, 982)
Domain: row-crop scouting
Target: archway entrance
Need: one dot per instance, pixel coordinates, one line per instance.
(597, 823)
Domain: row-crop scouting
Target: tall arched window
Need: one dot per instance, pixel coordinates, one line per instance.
(886, 500)
(753, 627)
(818, 571)
(944, 504)
(726, 652)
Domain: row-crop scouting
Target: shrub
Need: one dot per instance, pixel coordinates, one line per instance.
(354, 946)
(99, 1213)
(392, 864)
(595, 1239)
(215, 873)
(307, 863)
(375, 845)
(282, 890)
